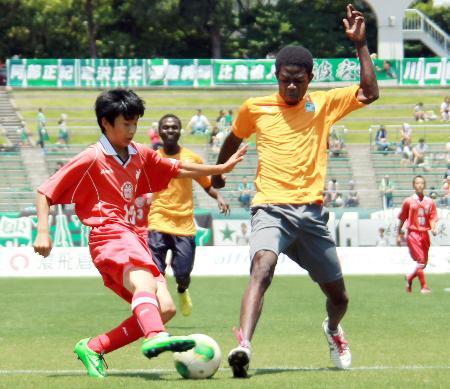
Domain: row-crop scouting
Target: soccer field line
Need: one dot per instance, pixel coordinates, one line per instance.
(137, 372)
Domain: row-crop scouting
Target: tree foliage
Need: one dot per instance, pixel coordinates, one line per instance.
(177, 28)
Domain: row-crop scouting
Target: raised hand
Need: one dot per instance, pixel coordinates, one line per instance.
(237, 157)
(355, 26)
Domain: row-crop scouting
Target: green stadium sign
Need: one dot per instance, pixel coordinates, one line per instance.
(194, 73)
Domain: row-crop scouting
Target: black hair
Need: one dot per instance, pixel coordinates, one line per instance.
(294, 55)
(169, 115)
(418, 176)
(115, 102)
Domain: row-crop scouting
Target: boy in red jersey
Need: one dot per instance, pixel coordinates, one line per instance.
(103, 182)
(420, 211)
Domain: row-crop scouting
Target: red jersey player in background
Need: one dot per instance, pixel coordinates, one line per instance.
(420, 211)
(103, 182)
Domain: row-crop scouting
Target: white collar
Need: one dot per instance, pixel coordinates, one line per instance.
(109, 150)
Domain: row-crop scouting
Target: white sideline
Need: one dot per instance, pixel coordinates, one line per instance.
(254, 370)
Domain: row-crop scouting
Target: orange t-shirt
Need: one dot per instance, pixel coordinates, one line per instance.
(172, 209)
(292, 142)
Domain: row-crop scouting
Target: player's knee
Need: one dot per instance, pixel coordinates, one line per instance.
(263, 268)
(340, 299)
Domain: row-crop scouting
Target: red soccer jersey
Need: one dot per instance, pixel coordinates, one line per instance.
(419, 213)
(142, 208)
(103, 188)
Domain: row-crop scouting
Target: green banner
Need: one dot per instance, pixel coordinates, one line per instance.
(194, 73)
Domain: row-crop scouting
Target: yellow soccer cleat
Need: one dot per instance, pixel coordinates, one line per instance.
(185, 302)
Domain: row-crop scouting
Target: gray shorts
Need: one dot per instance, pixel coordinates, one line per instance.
(300, 232)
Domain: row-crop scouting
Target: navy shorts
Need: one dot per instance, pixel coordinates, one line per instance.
(183, 252)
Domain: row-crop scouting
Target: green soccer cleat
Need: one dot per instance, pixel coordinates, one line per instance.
(156, 345)
(185, 302)
(94, 363)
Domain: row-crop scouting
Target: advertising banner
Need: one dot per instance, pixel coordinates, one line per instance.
(193, 73)
(219, 261)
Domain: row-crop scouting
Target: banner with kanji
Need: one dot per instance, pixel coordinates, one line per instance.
(204, 73)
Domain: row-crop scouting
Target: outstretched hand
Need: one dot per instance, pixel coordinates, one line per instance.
(355, 25)
(237, 157)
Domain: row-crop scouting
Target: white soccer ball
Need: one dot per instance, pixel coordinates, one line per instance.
(200, 362)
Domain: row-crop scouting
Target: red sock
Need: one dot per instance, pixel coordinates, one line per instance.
(126, 333)
(421, 275)
(145, 309)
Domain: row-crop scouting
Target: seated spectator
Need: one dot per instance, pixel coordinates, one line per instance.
(153, 135)
(25, 135)
(445, 110)
(199, 123)
(381, 139)
(382, 240)
(245, 189)
(387, 68)
(419, 152)
(352, 198)
(387, 192)
(220, 121)
(338, 201)
(445, 200)
(406, 134)
(407, 154)
(331, 192)
(421, 115)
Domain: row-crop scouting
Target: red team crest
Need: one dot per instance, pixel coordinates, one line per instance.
(127, 191)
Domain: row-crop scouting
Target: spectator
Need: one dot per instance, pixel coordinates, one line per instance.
(199, 123)
(63, 134)
(381, 139)
(42, 132)
(406, 133)
(382, 241)
(419, 152)
(353, 198)
(25, 135)
(229, 119)
(339, 200)
(243, 238)
(331, 192)
(220, 121)
(153, 135)
(433, 194)
(445, 200)
(445, 110)
(407, 154)
(401, 241)
(387, 191)
(245, 189)
(421, 115)
(387, 67)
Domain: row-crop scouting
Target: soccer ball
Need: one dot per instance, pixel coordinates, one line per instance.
(200, 362)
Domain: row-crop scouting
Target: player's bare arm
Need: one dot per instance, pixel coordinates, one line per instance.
(43, 243)
(230, 145)
(192, 170)
(355, 29)
(221, 203)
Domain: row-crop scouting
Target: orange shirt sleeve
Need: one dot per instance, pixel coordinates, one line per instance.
(243, 126)
(205, 182)
(342, 101)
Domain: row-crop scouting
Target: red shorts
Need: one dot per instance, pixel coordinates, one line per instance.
(419, 245)
(113, 249)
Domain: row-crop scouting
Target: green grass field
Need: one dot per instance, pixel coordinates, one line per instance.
(395, 106)
(397, 340)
